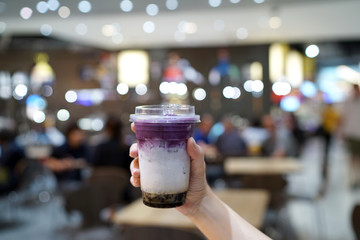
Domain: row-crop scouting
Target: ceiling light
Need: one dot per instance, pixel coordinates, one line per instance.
(181, 89)
(46, 29)
(122, 88)
(228, 92)
(63, 115)
(81, 29)
(149, 27)
(141, 89)
(26, 13)
(84, 6)
(214, 3)
(259, 1)
(126, 5)
(53, 5)
(237, 93)
(275, 22)
(108, 30)
(312, 51)
(42, 7)
(242, 33)
(97, 124)
(281, 88)
(64, 12)
(248, 85)
(71, 96)
(39, 117)
(21, 90)
(234, 1)
(172, 4)
(257, 86)
(152, 9)
(290, 103)
(164, 87)
(199, 94)
(187, 27)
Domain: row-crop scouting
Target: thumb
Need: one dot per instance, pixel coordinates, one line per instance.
(195, 152)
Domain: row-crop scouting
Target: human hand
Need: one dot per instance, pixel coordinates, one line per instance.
(198, 187)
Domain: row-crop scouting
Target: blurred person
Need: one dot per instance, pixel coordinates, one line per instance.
(330, 119)
(10, 156)
(351, 131)
(297, 134)
(254, 135)
(280, 142)
(230, 143)
(112, 151)
(68, 159)
(201, 136)
(202, 130)
(213, 217)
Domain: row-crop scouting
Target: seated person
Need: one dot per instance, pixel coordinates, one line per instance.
(230, 143)
(112, 151)
(68, 159)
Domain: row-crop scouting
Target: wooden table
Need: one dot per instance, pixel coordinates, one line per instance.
(261, 166)
(250, 204)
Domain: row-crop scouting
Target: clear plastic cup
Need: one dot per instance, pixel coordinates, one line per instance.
(162, 132)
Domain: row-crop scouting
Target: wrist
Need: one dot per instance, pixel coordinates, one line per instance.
(199, 206)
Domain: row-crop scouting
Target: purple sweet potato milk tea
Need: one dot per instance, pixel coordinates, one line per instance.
(162, 132)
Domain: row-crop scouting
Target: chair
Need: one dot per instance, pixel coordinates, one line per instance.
(356, 221)
(104, 188)
(159, 233)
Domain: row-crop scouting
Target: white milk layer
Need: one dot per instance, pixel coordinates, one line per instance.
(164, 169)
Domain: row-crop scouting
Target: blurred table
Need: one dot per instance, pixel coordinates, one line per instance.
(261, 166)
(250, 204)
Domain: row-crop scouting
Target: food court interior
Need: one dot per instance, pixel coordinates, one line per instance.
(275, 82)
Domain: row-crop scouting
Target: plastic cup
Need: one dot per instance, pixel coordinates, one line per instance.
(162, 132)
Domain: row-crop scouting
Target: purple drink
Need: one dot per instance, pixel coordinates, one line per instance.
(162, 132)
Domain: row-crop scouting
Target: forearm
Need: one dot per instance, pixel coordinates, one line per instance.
(218, 221)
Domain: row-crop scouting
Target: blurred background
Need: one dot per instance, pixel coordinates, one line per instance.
(276, 83)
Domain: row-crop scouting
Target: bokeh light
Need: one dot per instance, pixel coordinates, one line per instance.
(149, 27)
(214, 3)
(126, 5)
(46, 29)
(26, 13)
(308, 89)
(63, 115)
(21, 90)
(71, 96)
(42, 7)
(152, 9)
(281, 88)
(81, 29)
(122, 88)
(141, 89)
(242, 33)
(312, 51)
(172, 4)
(290, 103)
(64, 12)
(199, 94)
(39, 117)
(84, 6)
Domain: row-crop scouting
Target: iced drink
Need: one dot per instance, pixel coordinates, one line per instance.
(162, 132)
